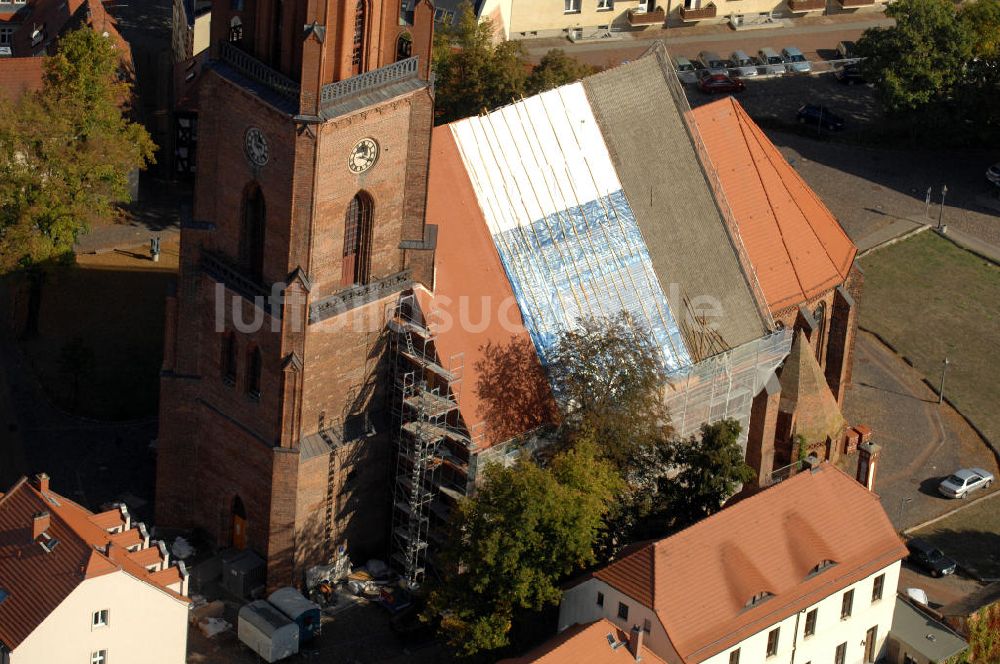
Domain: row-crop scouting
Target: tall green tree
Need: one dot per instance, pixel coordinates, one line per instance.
(919, 60)
(555, 69)
(610, 380)
(474, 74)
(66, 152)
(711, 469)
(525, 530)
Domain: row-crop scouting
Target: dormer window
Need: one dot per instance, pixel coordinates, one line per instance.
(822, 565)
(758, 599)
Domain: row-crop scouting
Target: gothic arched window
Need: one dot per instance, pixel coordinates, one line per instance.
(235, 29)
(358, 240)
(819, 315)
(254, 367)
(252, 232)
(229, 358)
(357, 55)
(404, 46)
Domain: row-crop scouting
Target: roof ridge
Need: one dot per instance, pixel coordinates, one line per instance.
(761, 138)
(17, 485)
(770, 204)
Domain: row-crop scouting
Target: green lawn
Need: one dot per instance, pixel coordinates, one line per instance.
(931, 300)
(970, 536)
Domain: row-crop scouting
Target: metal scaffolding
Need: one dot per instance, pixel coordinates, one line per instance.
(431, 445)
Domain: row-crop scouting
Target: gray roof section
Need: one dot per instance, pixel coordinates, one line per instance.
(921, 634)
(667, 189)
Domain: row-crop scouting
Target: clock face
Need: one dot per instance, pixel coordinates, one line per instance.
(256, 146)
(363, 156)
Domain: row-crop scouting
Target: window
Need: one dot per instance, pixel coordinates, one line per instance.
(236, 5)
(623, 610)
(600, 599)
(841, 656)
(647, 626)
(357, 55)
(819, 315)
(235, 29)
(254, 362)
(772, 642)
(99, 657)
(571, 6)
(357, 241)
(734, 657)
(877, 587)
(252, 232)
(404, 46)
(604, 5)
(100, 618)
(811, 622)
(5, 35)
(229, 358)
(846, 605)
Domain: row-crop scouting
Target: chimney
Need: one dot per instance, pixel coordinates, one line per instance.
(868, 462)
(635, 642)
(41, 482)
(39, 524)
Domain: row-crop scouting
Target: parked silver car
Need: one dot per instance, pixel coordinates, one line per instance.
(795, 62)
(993, 174)
(770, 61)
(686, 71)
(713, 62)
(961, 482)
(741, 65)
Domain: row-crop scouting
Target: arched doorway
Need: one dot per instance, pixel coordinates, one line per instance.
(239, 531)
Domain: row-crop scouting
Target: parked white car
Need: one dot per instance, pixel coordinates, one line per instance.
(795, 62)
(741, 65)
(961, 482)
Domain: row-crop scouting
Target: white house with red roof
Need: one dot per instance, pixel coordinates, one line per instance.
(79, 587)
(804, 572)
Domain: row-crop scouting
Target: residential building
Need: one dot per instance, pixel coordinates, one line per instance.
(778, 577)
(599, 642)
(589, 19)
(82, 587)
(415, 316)
(30, 29)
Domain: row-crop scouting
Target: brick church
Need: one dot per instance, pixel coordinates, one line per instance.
(365, 302)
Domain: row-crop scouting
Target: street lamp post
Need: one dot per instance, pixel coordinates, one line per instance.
(944, 192)
(903, 502)
(944, 370)
(927, 203)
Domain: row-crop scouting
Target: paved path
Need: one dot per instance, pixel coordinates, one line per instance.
(922, 441)
(817, 37)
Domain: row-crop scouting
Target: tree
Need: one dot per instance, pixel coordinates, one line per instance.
(610, 379)
(555, 69)
(66, 152)
(525, 530)
(920, 59)
(711, 469)
(472, 73)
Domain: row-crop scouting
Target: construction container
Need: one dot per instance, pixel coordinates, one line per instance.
(242, 573)
(267, 631)
(297, 608)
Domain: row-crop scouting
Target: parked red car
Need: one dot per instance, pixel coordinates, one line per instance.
(720, 83)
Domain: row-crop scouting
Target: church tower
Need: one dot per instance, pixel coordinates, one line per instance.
(308, 221)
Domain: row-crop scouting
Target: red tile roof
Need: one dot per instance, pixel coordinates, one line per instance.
(504, 392)
(20, 75)
(699, 581)
(36, 580)
(586, 644)
(797, 247)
